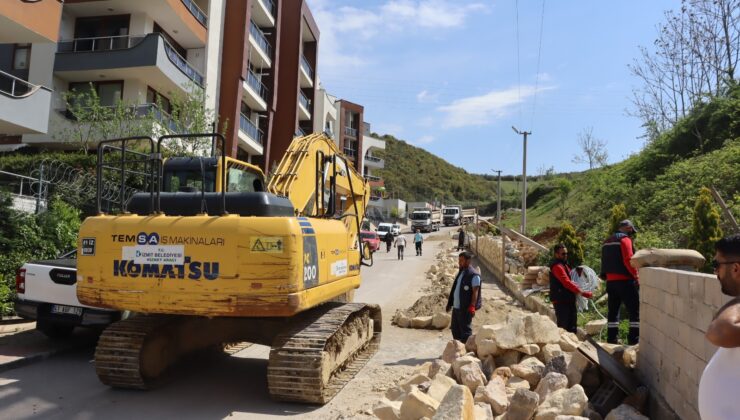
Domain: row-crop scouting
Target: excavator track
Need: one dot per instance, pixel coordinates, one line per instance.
(119, 353)
(304, 366)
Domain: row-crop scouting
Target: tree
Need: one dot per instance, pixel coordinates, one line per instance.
(570, 239)
(694, 57)
(618, 213)
(563, 187)
(593, 150)
(705, 229)
(93, 121)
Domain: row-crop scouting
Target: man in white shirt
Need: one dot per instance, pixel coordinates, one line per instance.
(400, 244)
(718, 388)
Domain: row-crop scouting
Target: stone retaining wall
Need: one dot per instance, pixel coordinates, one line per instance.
(675, 309)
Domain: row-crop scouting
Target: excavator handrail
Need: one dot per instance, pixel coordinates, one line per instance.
(213, 137)
(104, 145)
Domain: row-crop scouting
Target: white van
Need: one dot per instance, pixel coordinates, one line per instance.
(383, 229)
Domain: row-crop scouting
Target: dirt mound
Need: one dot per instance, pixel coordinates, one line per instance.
(427, 305)
(547, 236)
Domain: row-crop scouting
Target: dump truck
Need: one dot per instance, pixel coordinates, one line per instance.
(426, 220)
(211, 254)
(455, 215)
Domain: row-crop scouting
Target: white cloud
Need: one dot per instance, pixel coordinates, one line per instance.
(425, 97)
(424, 140)
(484, 109)
(544, 77)
(342, 28)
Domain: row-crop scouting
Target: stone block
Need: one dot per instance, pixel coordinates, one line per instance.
(462, 361)
(439, 386)
(578, 363)
(417, 405)
(594, 327)
(561, 417)
(453, 350)
(494, 394)
(558, 364)
(550, 383)
(568, 341)
(504, 372)
(682, 280)
(523, 405)
(563, 402)
(421, 322)
(441, 320)
(654, 257)
(508, 358)
(530, 369)
(403, 321)
(713, 294)
(395, 393)
(529, 349)
(387, 410)
(470, 345)
(625, 412)
(483, 411)
(417, 379)
(696, 288)
(457, 404)
(472, 376)
(488, 366)
(549, 351)
(439, 366)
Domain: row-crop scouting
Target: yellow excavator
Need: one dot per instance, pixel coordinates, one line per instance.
(207, 253)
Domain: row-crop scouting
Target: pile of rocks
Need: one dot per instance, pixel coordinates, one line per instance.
(518, 369)
(536, 274)
(519, 255)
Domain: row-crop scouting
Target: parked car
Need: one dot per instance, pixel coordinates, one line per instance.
(47, 292)
(371, 239)
(396, 229)
(383, 229)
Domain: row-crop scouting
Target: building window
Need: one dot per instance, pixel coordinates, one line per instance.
(21, 56)
(156, 98)
(109, 93)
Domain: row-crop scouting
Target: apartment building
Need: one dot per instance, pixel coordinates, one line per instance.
(25, 94)
(255, 60)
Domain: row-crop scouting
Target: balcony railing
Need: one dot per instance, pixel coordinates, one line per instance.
(182, 64)
(134, 111)
(299, 132)
(246, 125)
(350, 152)
(15, 87)
(349, 131)
(303, 99)
(372, 178)
(256, 84)
(196, 12)
(259, 36)
(122, 42)
(270, 5)
(103, 43)
(306, 67)
(373, 158)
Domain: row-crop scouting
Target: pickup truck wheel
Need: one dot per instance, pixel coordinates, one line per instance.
(54, 331)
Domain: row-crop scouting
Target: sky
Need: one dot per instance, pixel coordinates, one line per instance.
(444, 74)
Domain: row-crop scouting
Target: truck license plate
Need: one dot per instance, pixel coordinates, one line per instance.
(67, 310)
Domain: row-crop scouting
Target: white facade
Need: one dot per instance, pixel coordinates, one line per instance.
(326, 108)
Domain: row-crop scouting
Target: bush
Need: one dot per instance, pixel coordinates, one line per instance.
(705, 228)
(570, 239)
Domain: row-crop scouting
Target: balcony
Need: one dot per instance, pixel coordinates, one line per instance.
(299, 132)
(374, 162)
(350, 153)
(260, 53)
(304, 107)
(149, 58)
(24, 107)
(306, 73)
(349, 131)
(373, 178)
(250, 136)
(184, 19)
(256, 92)
(26, 22)
(264, 12)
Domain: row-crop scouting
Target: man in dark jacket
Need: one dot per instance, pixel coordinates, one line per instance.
(563, 290)
(461, 239)
(465, 298)
(622, 282)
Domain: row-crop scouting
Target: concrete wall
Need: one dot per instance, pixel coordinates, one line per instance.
(675, 309)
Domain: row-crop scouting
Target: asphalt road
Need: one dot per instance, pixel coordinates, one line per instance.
(65, 386)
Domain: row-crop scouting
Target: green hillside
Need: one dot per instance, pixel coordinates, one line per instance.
(413, 174)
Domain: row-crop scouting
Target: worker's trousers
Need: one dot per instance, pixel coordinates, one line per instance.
(566, 315)
(627, 292)
(461, 325)
(418, 248)
(400, 251)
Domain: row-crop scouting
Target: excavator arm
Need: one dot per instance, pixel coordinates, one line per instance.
(321, 182)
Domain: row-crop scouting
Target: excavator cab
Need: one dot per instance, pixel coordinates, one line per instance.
(205, 254)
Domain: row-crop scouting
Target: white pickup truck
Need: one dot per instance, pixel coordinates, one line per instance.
(47, 292)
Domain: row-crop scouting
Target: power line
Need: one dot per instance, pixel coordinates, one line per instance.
(518, 64)
(539, 57)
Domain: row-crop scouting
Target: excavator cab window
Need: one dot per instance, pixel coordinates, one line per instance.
(187, 180)
(240, 180)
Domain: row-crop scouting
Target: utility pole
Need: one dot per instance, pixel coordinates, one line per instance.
(498, 194)
(524, 179)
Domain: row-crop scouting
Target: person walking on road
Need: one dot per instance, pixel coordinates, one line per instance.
(622, 281)
(465, 298)
(418, 240)
(718, 384)
(388, 238)
(400, 244)
(461, 239)
(563, 290)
